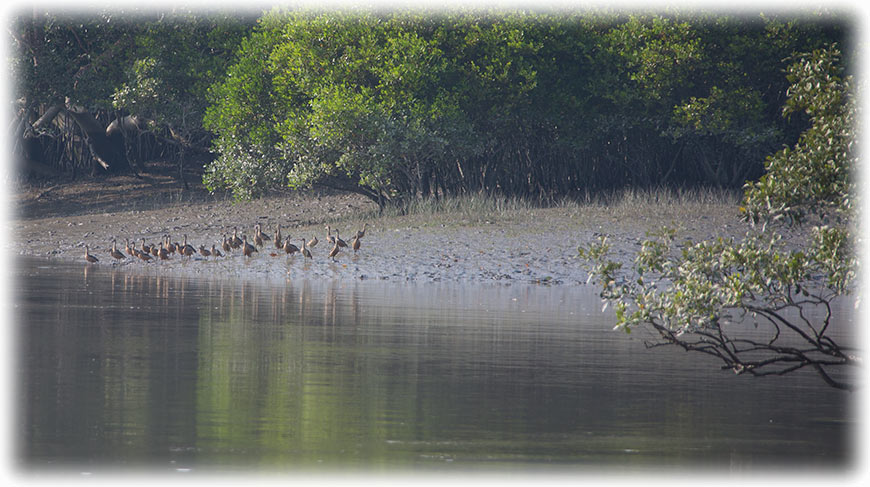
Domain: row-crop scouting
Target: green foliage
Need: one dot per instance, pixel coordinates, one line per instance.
(398, 105)
(58, 55)
(815, 176)
(690, 293)
(176, 59)
(407, 103)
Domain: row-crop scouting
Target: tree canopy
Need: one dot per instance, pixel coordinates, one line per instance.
(404, 104)
(115, 72)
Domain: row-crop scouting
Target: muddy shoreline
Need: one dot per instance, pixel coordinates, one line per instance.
(537, 245)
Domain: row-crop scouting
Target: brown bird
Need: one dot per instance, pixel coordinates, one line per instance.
(355, 242)
(226, 244)
(144, 256)
(247, 248)
(263, 235)
(335, 249)
(130, 249)
(215, 252)
(186, 249)
(313, 241)
(338, 240)
(145, 248)
(305, 251)
(170, 247)
(278, 236)
(163, 252)
(115, 252)
(236, 242)
(204, 251)
(154, 250)
(289, 248)
(88, 257)
(362, 233)
(259, 236)
(329, 237)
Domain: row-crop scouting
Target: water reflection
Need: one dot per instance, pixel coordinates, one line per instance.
(127, 368)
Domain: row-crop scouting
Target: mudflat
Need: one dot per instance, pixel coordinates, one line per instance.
(497, 245)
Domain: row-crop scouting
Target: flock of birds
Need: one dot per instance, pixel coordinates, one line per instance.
(167, 248)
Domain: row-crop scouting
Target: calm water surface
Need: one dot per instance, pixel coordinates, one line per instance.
(118, 369)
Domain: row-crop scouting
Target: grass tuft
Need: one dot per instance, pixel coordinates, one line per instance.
(487, 208)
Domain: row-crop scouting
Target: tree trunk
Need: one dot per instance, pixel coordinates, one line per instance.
(107, 152)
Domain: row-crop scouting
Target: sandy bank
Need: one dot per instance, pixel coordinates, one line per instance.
(523, 245)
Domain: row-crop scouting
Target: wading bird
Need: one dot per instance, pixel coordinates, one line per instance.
(313, 241)
(163, 252)
(338, 240)
(115, 253)
(215, 252)
(264, 236)
(335, 249)
(289, 248)
(144, 256)
(247, 248)
(259, 236)
(187, 249)
(362, 233)
(88, 257)
(278, 237)
(355, 243)
(204, 251)
(305, 251)
(236, 242)
(226, 244)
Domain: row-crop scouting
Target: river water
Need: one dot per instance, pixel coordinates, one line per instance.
(119, 369)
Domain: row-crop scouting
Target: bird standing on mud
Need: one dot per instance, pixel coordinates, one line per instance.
(88, 257)
(215, 252)
(247, 248)
(338, 240)
(143, 256)
(278, 244)
(312, 242)
(362, 233)
(259, 236)
(305, 251)
(236, 242)
(163, 252)
(115, 253)
(355, 243)
(186, 248)
(335, 249)
(170, 247)
(289, 248)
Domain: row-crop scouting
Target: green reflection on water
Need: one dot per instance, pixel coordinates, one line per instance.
(181, 372)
